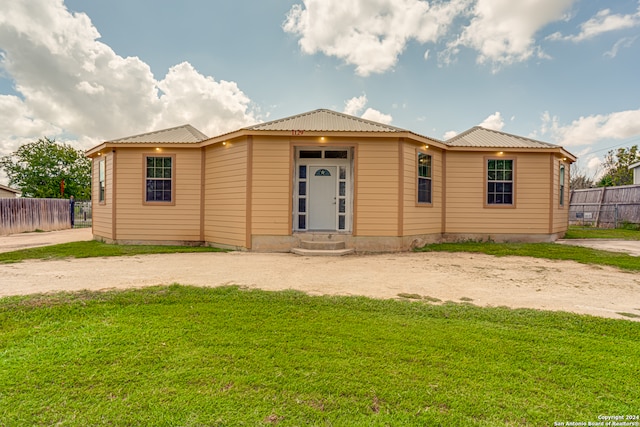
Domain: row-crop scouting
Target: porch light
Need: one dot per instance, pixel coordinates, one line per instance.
(500, 153)
(322, 138)
(426, 147)
(224, 142)
(564, 159)
(157, 148)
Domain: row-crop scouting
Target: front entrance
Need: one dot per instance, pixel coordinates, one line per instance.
(322, 197)
(322, 190)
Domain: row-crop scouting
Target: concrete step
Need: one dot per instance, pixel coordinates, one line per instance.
(321, 252)
(324, 245)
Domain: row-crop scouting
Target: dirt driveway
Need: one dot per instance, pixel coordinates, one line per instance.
(480, 279)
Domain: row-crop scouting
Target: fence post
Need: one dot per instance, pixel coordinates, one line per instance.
(72, 206)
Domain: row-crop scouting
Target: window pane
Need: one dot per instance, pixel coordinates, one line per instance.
(335, 154)
(343, 172)
(500, 164)
(311, 154)
(424, 191)
(303, 172)
(341, 206)
(149, 162)
(508, 176)
(302, 205)
(508, 165)
(341, 222)
(343, 189)
(302, 222)
(302, 188)
(167, 173)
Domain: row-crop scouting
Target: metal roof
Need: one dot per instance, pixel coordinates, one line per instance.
(185, 134)
(487, 138)
(324, 121)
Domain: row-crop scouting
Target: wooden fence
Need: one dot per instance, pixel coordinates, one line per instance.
(19, 215)
(605, 206)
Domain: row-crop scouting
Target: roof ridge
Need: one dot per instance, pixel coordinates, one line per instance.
(517, 136)
(187, 127)
(326, 111)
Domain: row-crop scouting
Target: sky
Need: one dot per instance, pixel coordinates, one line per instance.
(86, 71)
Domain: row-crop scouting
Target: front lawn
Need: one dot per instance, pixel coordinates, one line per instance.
(541, 250)
(227, 356)
(92, 248)
(576, 232)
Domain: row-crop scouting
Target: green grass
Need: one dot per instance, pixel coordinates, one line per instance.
(601, 233)
(227, 356)
(541, 250)
(93, 248)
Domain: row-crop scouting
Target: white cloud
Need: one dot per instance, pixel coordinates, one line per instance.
(377, 116)
(70, 83)
(622, 43)
(602, 22)
(494, 122)
(591, 129)
(449, 134)
(369, 35)
(355, 105)
(503, 31)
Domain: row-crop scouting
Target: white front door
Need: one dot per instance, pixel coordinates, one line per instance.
(322, 197)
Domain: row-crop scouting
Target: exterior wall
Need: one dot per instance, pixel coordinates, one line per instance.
(225, 194)
(636, 175)
(421, 218)
(466, 212)
(271, 187)
(7, 194)
(137, 221)
(376, 199)
(101, 214)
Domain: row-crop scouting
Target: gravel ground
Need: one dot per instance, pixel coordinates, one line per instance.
(516, 282)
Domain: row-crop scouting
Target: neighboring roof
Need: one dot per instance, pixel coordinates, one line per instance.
(185, 134)
(12, 190)
(634, 165)
(487, 138)
(325, 121)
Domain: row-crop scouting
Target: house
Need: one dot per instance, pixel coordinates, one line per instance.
(635, 167)
(8, 192)
(327, 175)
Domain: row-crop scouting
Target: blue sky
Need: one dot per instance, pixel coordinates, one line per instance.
(562, 71)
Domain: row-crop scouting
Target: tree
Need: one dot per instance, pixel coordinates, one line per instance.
(580, 179)
(39, 168)
(616, 166)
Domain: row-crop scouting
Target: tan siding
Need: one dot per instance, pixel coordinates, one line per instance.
(226, 194)
(377, 181)
(137, 221)
(466, 212)
(421, 219)
(101, 212)
(271, 187)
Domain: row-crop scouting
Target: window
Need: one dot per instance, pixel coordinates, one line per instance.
(561, 185)
(424, 178)
(159, 179)
(499, 182)
(101, 180)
